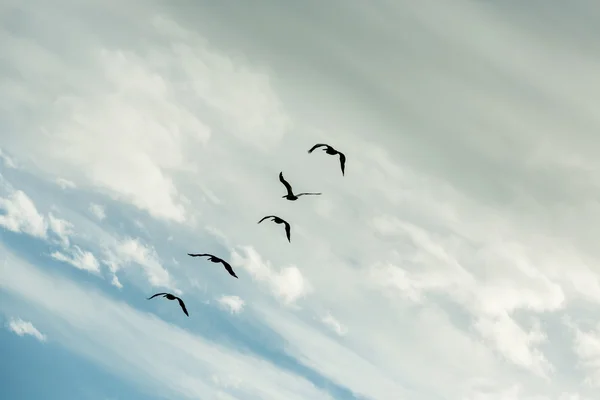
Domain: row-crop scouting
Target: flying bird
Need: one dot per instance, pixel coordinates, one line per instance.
(331, 151)
(278, 220)
(216, 259)
(169, 296)
(290, 194)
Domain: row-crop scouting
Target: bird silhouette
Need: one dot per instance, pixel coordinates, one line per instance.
(290, 194)
(216, 259)
(169, 296)
(331, 151)
(278, 220)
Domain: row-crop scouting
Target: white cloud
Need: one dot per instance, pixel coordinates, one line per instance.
(78, 258)
(150, 123)
(116, 282)
(468, 211)
(97, 211)
(288, 284)
(334, 324)
(587, 348)
(234, 304)
(128, 251)
(7, 160)
(254, 115)
(22, 328)
(65, 183)
(516, 344)
(115, 335)
(63, 229)
(21, 215)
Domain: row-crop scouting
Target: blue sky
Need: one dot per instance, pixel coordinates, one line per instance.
(457, 259)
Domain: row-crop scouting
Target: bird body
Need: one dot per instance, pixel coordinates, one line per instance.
(290, 193)
(169, 296)
(216, 259)
(331, 151)
(278, 220)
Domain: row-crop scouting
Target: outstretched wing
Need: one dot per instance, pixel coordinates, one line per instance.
(317, 146)
(198, 255)
(157, 294)
(268, 216)
(309, 194)
(287, 230)
(183, 306)
(228, 268)
(288, 187)
(342, 162)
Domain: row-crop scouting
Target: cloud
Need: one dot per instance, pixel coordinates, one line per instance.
(7, 160)
(115, 336)
(97, 211)
(150, 120)
(516, 344)
(587, 349)
(65, 183)
(21, 216)
(288, 284)
(334, 325)
(234, 304)
(23, 328)
(80, 259)
(468, 212)
(132, 251)
(63, 229)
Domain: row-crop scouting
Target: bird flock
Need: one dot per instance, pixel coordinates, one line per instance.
(290, 195)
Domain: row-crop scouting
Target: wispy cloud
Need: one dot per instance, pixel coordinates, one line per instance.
(587, 349)
(63, 229)
(21, 216)
(22, 328)
(115, 335)
(133, 252)
(97, 211)
(78, 258)
(334, 324)
(7, 160)
(464, 230)
(65, 183)
(233, 304)
(287, 284)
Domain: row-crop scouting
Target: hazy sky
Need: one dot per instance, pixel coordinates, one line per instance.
(457, 259)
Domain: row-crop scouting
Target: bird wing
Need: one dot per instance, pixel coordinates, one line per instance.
(268, 216)
(317, 146)
(309, 194)
(198, 255)
(342, 161)
(183, 306)
(287, 230)
(157, 294)
(288, 187)
(228, 268)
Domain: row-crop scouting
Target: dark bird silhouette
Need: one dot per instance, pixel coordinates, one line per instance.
(216, 259)
(290, 194)
(278, 220)
(169, 296)
(331, 151)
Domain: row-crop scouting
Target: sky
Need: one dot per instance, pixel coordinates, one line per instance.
(456, 259)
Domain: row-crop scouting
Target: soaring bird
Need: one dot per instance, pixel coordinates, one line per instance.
(290, 194)
(216, 259)
(331, 151)
(169, 296)
(278, 220)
